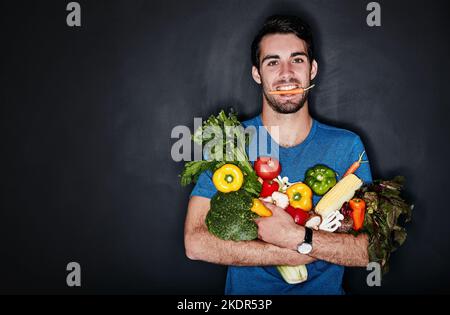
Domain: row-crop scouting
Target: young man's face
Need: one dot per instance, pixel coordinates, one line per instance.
(284, 64)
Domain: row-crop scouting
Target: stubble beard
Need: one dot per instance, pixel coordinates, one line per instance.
(286, 107)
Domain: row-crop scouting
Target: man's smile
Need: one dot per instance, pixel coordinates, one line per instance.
(287, 87)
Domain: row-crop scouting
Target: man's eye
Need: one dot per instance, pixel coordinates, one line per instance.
(298, 60)
(272, 63)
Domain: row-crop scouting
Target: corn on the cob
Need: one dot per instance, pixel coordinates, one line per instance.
(342, 192)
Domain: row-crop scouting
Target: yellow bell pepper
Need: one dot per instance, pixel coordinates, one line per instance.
(260, 209)
(300, 196)
(228, 178)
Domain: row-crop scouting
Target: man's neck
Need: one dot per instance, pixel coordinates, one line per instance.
(293, 128)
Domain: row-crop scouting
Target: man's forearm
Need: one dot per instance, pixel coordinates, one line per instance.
(204, 246)
(341, 249)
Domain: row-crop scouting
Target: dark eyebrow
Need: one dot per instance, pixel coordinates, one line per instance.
(270, 57)
(299, 54)
(294, 54)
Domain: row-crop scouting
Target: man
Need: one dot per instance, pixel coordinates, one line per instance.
(283, 59)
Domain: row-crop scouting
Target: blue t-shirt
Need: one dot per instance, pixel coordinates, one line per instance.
(337, 148)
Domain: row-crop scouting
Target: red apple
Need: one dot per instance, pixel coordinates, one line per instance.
(267, 167)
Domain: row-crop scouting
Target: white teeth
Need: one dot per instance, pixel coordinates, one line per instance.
(287, 87)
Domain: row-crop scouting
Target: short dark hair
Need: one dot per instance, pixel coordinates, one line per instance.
(283, 24)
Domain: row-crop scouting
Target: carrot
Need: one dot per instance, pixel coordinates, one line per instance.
(294, 91)
(355, 165)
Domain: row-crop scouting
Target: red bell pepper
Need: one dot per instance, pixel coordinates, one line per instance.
(268, 187)
(358, 207)
(300, 216)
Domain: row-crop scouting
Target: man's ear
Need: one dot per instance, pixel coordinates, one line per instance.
(255, 74)
(314, 69)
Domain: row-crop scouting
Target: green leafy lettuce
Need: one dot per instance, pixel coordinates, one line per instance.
(386, 213)
(230, 150)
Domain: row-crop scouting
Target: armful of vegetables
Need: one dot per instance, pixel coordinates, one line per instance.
(346, 206)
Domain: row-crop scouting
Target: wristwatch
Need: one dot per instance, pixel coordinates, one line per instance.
(306, 246)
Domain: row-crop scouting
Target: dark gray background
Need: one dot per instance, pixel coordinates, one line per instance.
(87, 115)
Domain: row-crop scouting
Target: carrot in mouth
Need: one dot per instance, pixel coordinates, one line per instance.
(294, 91)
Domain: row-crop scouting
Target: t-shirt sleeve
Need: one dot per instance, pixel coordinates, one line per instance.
(204, 186)
(363, 172)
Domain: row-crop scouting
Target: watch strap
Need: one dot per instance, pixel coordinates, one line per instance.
(308, 235)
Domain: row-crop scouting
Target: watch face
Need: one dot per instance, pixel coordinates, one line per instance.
(304, 248)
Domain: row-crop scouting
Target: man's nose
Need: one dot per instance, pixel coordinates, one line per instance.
(286, 71)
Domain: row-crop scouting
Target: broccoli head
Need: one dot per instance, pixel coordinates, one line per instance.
(230, 217)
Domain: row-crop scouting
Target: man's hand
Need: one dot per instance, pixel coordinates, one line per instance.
(280, 229)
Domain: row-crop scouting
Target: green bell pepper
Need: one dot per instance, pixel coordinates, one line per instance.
(320, 179)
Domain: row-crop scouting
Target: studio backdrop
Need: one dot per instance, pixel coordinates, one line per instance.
(89, 103)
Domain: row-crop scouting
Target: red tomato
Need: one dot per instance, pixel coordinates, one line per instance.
(267, 167)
